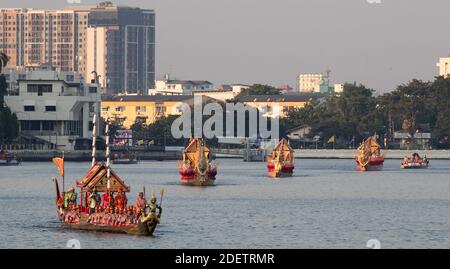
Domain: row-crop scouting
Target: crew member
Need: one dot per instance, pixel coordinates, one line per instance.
(70, 197)
(141, 202)
(94, 200)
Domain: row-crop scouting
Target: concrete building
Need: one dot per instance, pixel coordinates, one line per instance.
(224, 93)
(444, 66)
(126, 110)
(220, 95)
(53, 106)
(12, 34)
(338, 88)
(169, 86)
(310, 82)
(32, 37)
(121, 48)
(277, 105)
(124, 42)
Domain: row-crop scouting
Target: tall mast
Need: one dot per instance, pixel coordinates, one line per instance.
(94, 138)
(108, 161)
(63, 187)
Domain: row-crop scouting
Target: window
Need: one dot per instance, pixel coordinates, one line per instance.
(142, 120)
(39, 88)
(30, 125)
(92, 89)
(28, 108)
(141, 109)
(160, 110)
(50, 108)
(105, 109)
(120, 109)
(47, 125)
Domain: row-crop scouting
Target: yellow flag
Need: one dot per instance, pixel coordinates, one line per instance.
(332, 139)
(141, 142)
(59, 162)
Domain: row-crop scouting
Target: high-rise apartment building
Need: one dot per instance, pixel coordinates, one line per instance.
(12, 34)
(56, 37)
(116, 42)
(310, 82)
(121, 48)
(444, 66)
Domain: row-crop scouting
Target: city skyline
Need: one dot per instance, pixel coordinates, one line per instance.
(379, 45)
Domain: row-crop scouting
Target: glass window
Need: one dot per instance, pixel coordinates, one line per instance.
(28, 108)
(50, 108)
(141, 109)
(47, 125)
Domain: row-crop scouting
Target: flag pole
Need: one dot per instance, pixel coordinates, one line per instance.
(64, 173)
(108, 159)
(94, 138)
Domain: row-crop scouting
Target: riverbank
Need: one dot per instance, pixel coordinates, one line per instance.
(350, 154)
(81, 156)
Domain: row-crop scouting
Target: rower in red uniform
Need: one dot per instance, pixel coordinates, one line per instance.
(106, 199)
(141, 202)
(121, 200)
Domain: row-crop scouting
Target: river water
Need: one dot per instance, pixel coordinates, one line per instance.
(327, 204)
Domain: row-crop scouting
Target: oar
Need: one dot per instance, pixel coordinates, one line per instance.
(160, 199)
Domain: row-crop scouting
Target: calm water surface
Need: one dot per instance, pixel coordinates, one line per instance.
(326, 205)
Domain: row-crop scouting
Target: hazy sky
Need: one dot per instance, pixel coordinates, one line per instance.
(272, 41)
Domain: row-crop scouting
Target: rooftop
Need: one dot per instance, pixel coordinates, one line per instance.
(193, 82)
(280, 98)
(149, 98)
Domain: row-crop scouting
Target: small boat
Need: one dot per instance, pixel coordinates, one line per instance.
(111, 214)
(124, 159)
(7, 159)
(369, 157)
(415, 163)
(281, 161)
(196, 168)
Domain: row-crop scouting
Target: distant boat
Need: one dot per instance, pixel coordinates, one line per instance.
(7, 159)
(124, 159)
(281, 162)
(415, 163)
(196, 168)
(369, 157)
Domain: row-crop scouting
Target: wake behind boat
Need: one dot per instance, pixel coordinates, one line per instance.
(369, 157)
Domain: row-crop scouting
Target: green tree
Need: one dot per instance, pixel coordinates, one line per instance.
(440, 109)
(259, 89)
(9, 125)
(140, 130)
(160, 132)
